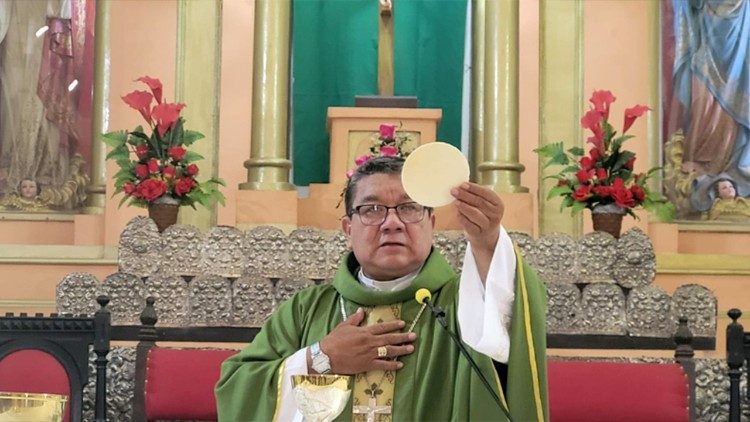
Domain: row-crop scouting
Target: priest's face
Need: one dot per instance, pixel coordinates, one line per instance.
(392, 248)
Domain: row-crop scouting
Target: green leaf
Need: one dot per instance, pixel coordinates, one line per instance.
(577, 151)
(577, 207)
(622, 158)
(559, 190)
(192, 156)
(115, 139)
(190, 136)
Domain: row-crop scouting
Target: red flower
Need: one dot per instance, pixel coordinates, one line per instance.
(584, 175)
(166, 115)
(595, 154)
(601, 173)
(623, 197)
(150, 189)
(191, 170)
(349, 173)
(153, 166)
(388, 151)
(184, 185)
(362, 159)
(387, 131)
(601, 101)
(593, 120)
(141, 171)
(141, 101)
(177, 153)
(633, 113)
(141, 150)
(128, 188)
(630, 163)
(638, 193)
(582, 193)
(587, 163)
(154, 84)
(169, 171)
(603, 191)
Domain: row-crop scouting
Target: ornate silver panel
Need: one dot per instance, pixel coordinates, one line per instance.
(140, 247)
(698, 304)
(336, 250)
(597, 251)
(287, 287)
(266, 249)
(524, 241)
(172, 299)
(222, 253)
(563, 300)
(181, 254)
(120, 385)
(76, 294)
(555, 258)
(307, 254)
(649, 310)
(452, 245)
(602, 310)
(253, 300)
(126, 295)
(210, 301)
(636, 262)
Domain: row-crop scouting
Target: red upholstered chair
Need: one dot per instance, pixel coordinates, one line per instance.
(34, 371)
(51, 355)
(617, 391)
(180, 383)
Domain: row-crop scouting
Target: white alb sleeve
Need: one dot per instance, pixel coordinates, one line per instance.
(295, 364)
(485, 310)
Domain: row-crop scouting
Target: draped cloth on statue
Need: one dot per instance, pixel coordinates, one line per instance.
(435, 383)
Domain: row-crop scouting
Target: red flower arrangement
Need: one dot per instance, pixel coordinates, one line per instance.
(388, 143)
(158, 167)
(604, 176)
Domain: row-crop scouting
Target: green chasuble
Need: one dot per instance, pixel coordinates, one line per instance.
(435, 383)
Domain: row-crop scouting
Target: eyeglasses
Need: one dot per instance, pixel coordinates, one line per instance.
(375, 214)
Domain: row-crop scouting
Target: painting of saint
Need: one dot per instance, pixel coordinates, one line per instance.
(46, 72)
(706, 101)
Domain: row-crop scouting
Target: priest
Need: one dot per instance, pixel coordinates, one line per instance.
(367, 324)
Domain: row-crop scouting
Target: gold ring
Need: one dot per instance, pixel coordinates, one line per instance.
(382, 351)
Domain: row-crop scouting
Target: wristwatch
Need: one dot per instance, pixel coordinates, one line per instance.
(321, 363)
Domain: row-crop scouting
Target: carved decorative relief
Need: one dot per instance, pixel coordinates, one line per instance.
(649, 310)
(698, 304)
(140, 248)
(563, 300)
(253, 300)
(287, 287)
(266, 249)
(172, 299)
(307, 254)
(452, 245)
(126, 297)
(597, 252)
(602, 310)
(222, 252)
(181, 254)
(555, 257)
(210, 300)
(636, 262)
(336, 250)
(525, 243)
(76, 294)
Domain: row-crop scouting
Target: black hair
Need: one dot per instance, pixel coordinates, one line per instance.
(724, 179)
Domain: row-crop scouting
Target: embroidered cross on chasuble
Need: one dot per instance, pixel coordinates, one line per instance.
(373, 391)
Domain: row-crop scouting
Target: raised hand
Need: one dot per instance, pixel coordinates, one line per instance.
(479, 210)
(353, 349)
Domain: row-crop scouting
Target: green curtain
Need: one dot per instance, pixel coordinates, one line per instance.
(334, 58)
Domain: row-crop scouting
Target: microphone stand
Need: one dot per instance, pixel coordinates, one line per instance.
(439, 314)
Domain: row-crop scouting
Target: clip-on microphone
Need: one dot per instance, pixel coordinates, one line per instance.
(423, 296)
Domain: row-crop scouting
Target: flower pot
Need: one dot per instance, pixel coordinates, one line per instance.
(164, 212)
(608, 218)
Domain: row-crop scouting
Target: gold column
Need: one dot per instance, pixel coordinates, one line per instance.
(500, 167)
(654, 116)
(268, 166)
(560, 100)
(197, 85)
(95, 191)
(477, 86)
